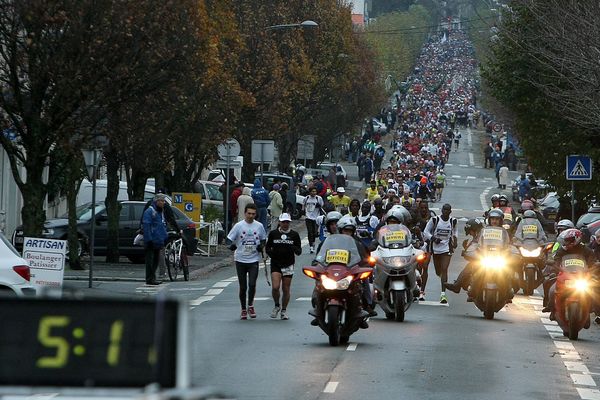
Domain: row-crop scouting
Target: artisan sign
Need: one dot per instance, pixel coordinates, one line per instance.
(46, 258)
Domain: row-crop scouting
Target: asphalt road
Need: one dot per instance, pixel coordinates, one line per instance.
(439, 352)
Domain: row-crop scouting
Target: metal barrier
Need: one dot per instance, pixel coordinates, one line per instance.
(204, 247)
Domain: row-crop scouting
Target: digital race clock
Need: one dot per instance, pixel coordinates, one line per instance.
(93, 343)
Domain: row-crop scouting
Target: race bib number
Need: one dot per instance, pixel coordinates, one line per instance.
(492, 234)
(287, 271)
(443, 233)
(530, 229)
(249, 248)
(508, 216)
(337, 256)
(574, 262)
(394, 237)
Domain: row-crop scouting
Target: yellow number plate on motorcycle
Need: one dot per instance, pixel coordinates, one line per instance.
(574, 262)
(492, 234)
(398, 236)
(337, 256)
(530, 229)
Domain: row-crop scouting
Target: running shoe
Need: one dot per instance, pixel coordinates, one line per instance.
(251, 312)
(244, 314)
(275, 311)
(443, 298)
(422, 296)
(312, 249)
(284, 315)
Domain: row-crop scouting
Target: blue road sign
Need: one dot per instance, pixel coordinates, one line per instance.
(579, 168)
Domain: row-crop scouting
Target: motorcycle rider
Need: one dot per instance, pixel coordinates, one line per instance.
(570, 243)
(333, 226)
(561, 226)
(474, 228)
(347, 226)
(509, 213)
(529, 228)
(327, 225)
(495, 204)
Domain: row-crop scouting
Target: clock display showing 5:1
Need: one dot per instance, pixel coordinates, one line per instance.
(87, 343)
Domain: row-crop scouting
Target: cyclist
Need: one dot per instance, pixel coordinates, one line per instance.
(283, 244)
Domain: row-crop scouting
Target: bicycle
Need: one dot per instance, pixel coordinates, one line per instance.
(176, 259)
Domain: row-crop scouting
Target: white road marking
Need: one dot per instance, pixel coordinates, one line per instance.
(577, 366)
(456, 176)
(304, 299)
(471, 160)
(232, 279)
(463, 165)
(352, 347)
(304, 242)
(200, 300)
(469, 137)
(471, 177)
(449, 165)
(432, 303)
(589, 394)
(546, 321)
(482, 198)
(222, 284)
(261, 298)
(213, 292)
(186, 289)
(583, 380)
(330, 387)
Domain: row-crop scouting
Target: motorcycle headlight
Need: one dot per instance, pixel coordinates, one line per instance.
(493, 262)
(578, 284)
(530, 253)
(396, 261)
(330, 284)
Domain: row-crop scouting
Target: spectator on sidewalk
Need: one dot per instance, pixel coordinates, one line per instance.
(242, 201)
(275, 205)
(155, 235)
(487, 155)
(503, 175)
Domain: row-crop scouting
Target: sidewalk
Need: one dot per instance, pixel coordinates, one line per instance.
(126, 271)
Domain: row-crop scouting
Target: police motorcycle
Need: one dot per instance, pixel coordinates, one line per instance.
(338, 271)
(531, 251)
(491, 283)
(395, 276)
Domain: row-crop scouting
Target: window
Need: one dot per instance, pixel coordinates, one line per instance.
(201, 190)
(214, 193)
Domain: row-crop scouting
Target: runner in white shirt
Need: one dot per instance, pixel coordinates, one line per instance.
(441, 232)
(247, 238)
(312, 210)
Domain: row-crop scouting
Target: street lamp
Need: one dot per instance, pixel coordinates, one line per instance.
(92, 157)
(304, 24)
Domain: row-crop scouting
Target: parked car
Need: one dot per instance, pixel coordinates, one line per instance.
(211, 195)
(84, 196)
(589, 230)
(379, 126)
(129, 222)
(325, 165)
(14, 272)
(591, 216)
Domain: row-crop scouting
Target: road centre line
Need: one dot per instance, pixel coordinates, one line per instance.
(482, 198)
(213, 292)
(330, 387)
(471, 160)
(222, 284)
(200, 300)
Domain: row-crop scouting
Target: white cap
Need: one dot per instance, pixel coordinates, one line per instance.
(341, 190)
(285, 217)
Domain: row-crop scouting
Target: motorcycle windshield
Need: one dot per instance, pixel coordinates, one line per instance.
(530, 244)
(338, 249)
(492, 238)
(572, 263)
(394, 236)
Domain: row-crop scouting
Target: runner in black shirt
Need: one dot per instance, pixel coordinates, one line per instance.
(283, 244)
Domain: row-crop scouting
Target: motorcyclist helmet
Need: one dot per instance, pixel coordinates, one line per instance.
(529, 214)
(527, 205)
(503, 200)
(564, 224)
(569, 239)
(346, 222)
(495, 198)
(495, 217)
(397, 215)
(473, 226)
(330, 218)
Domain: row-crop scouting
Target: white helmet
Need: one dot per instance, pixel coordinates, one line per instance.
(332, 216)
(564, 224)
(346, 222)
(530, 214)
(399, 213)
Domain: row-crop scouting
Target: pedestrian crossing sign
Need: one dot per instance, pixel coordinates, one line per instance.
(579, 168)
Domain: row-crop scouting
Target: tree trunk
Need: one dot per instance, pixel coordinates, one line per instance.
(74, 175)
(34, 194)
(137, 185)
(113, 208)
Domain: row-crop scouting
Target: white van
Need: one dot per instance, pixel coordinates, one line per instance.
(85, 192)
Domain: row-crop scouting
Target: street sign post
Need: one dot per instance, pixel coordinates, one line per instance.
(228, 151)
(263, 151)
(578, 168)
(306, 148)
